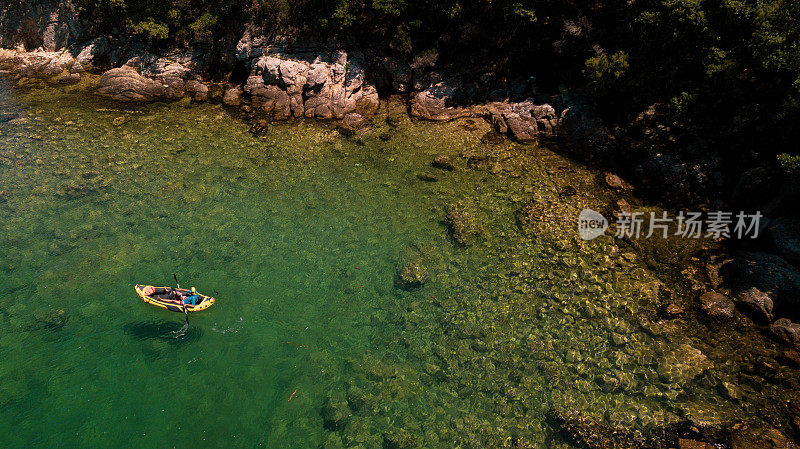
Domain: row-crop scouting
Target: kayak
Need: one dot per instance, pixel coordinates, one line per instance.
(159, 298)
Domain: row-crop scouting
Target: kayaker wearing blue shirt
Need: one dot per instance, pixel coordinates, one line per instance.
(192, 299)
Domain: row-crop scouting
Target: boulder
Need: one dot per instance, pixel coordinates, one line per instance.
(716, 305)
(462, 223)
(198, 90)
(68, 78)
(233, 96)
(758, 437)
(683, 364)
(436, 103)
(443, 162)
(694, 444)
(411, 276)
(522, 129)
(353, 121)
(757, 302)
(126, 84)
(613, 181)
(786, 332)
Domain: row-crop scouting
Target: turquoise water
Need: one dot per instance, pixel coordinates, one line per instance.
(299, 233)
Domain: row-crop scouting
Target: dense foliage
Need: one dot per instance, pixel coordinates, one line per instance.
(727, 71)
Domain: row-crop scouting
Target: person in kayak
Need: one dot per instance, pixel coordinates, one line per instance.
(175, 296)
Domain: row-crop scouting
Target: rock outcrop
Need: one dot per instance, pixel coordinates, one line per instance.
(523, 121)
(127, 84)
(321, 85)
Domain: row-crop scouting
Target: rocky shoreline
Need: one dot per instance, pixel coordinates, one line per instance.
(737, 287)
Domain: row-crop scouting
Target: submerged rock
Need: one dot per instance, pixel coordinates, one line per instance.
(233, 96)
(462, 223)
(787, 332)
(412, 275)
(693, 444)
(757, 302)
(51, 320)
(683, 364)
(335, 411)
(398, 439)
(756, 437)
(443, 162)
(716, 305)
(591, 432)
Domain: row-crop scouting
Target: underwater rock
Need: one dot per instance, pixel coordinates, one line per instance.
(260, 127)
(398, 439)
(443, 162)
(412, 275)
(672, 310)
(756, 302)
(462, 223)
(732, 390)
(693, 444)
(613, 181)
(716, 305)
(683, 364)
(127, 84)
(757, 437)
(591, 432)
(353, 121)
(233, 96)
(786, 332)
(335, 411)
(68, 78)
(51, 320)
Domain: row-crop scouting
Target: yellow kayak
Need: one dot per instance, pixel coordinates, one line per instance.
(160, 297)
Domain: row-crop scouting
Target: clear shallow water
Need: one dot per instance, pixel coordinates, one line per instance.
(299, 234)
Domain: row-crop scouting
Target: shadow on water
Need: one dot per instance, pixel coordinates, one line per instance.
(167, 331)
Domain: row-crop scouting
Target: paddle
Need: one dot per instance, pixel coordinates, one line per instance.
(185, 312)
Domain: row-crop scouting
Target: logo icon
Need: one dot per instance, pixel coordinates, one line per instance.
(591, 224)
